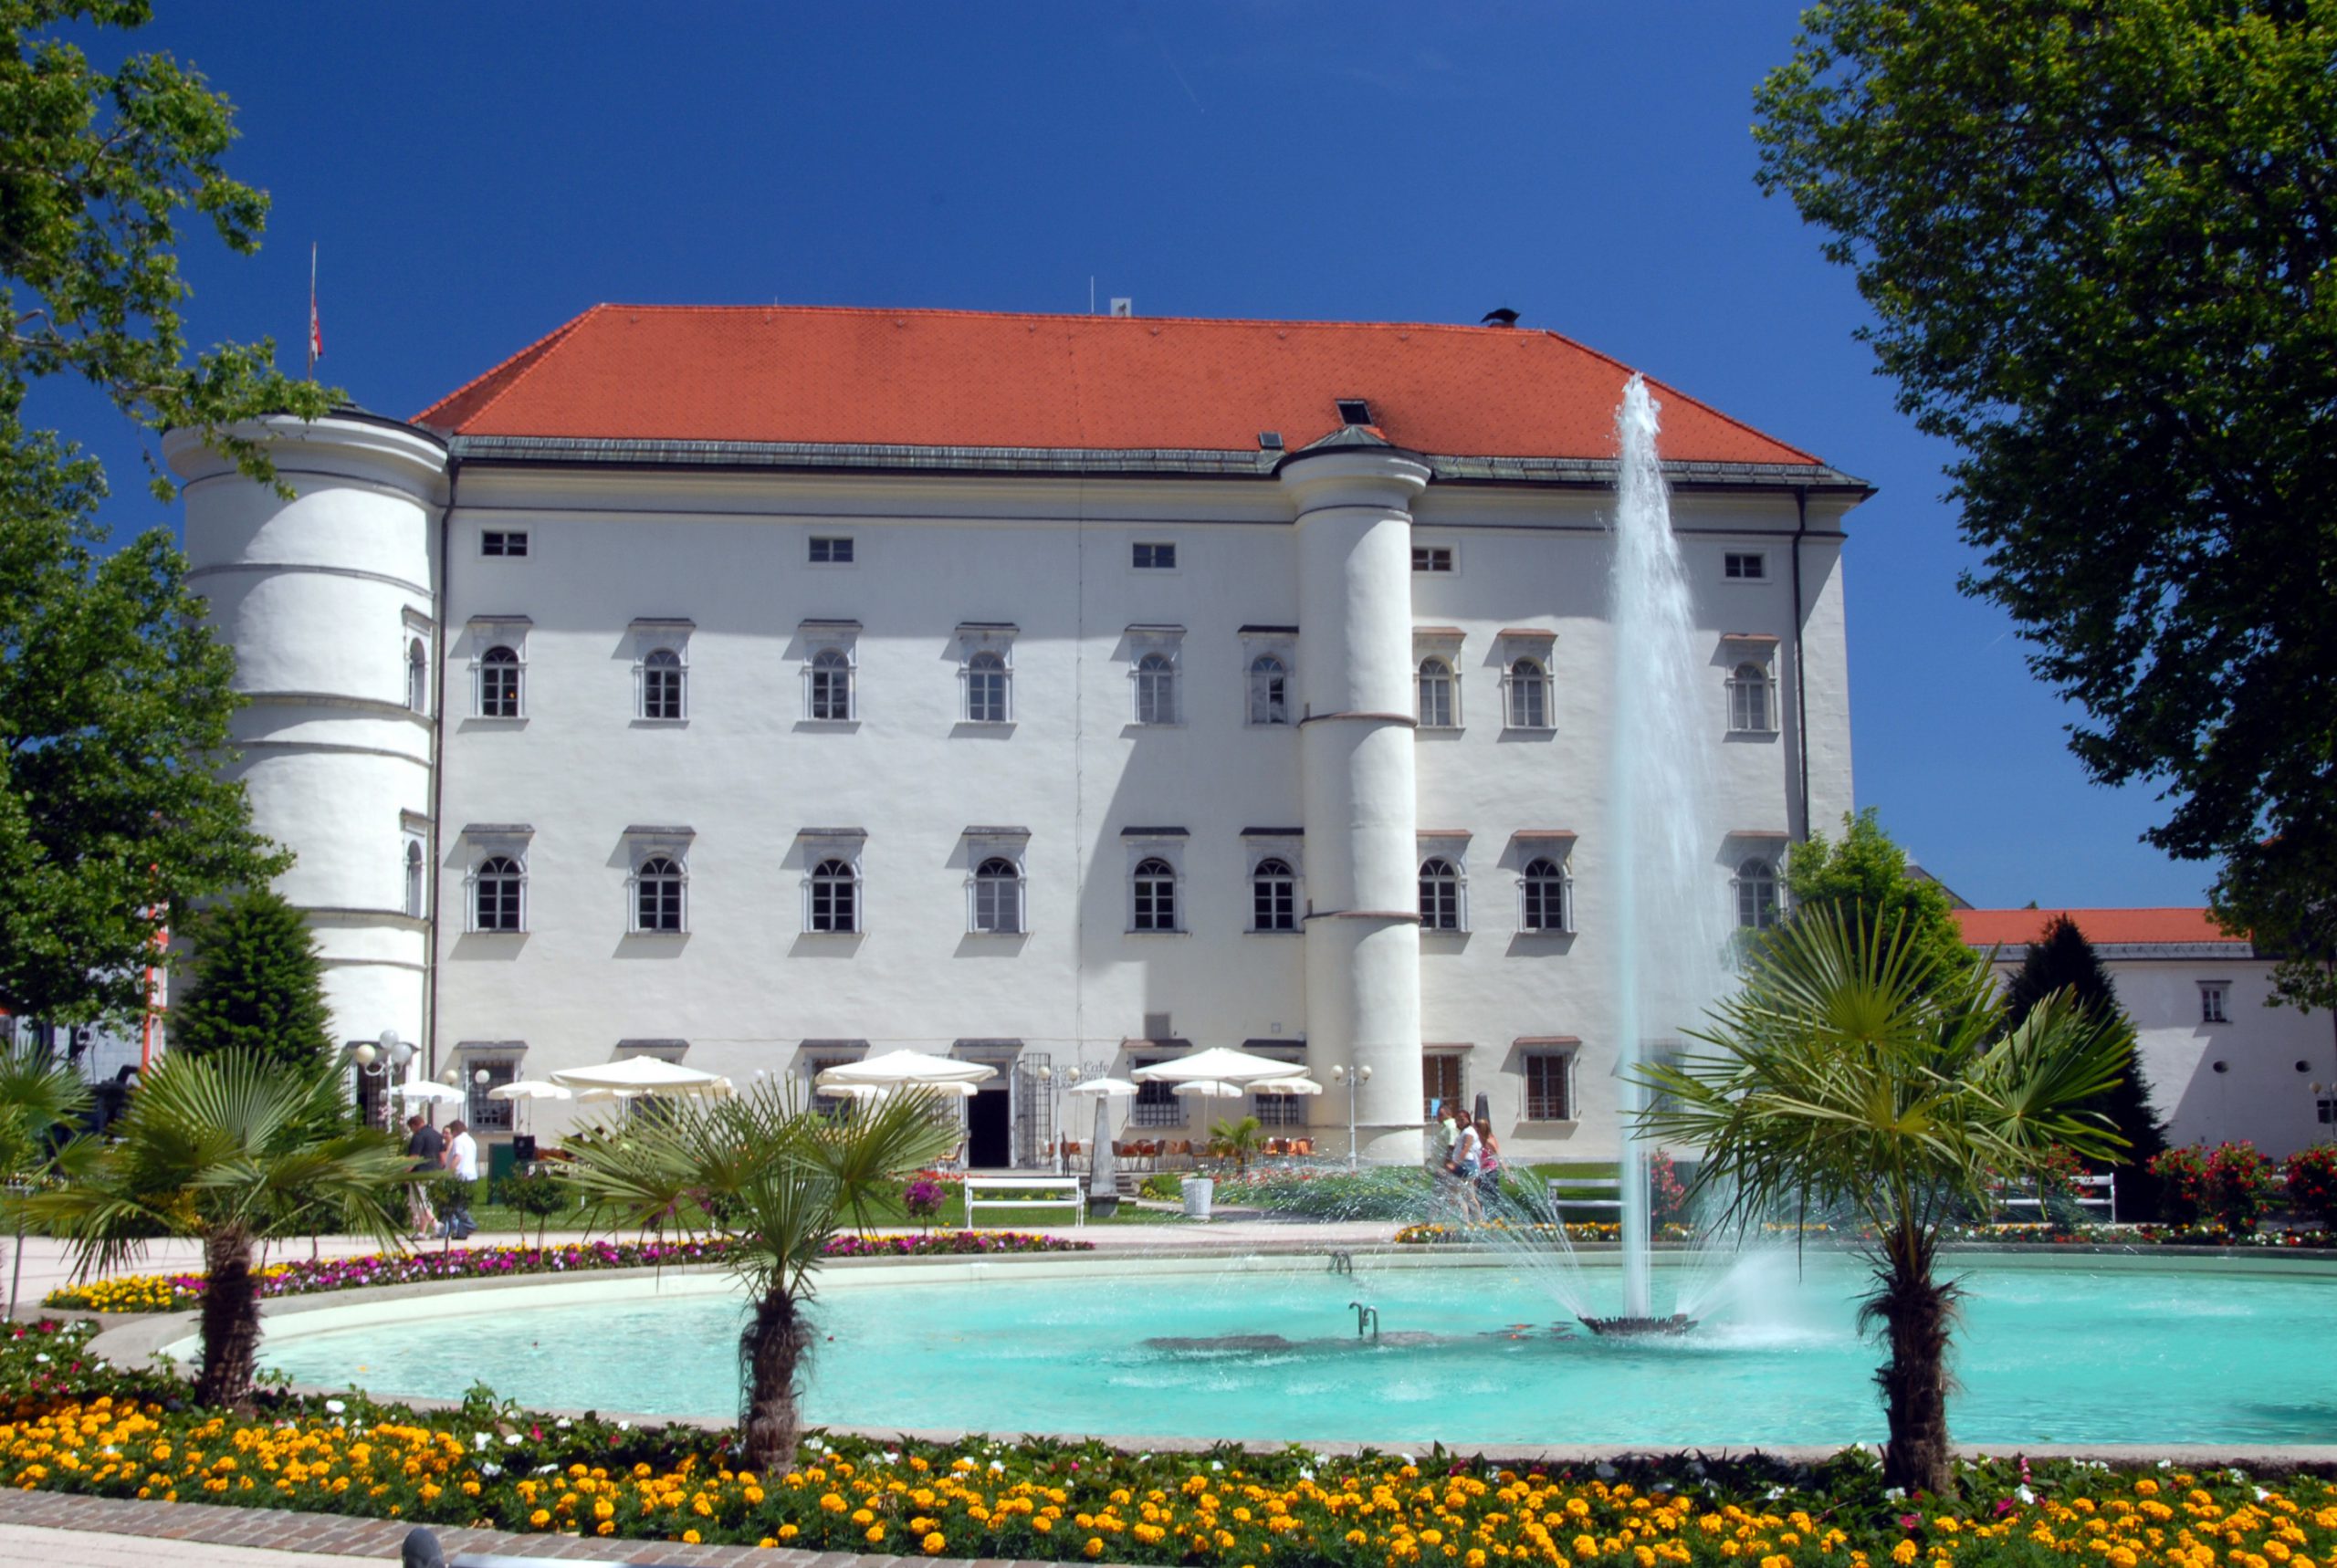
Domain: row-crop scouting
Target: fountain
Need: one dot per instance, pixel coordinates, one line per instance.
(1659, 793)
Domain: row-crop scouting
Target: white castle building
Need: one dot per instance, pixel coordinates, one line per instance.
(757, 687)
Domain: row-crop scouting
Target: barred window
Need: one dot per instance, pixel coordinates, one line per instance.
(498, 889)
(1549, 1086)
(1269, 691)
(986, 688)
(1548, 897)
(836, 898)
(1436, 694)
(831, 685)
(661, 685)
(1440, 894)
(1274, 898)
(1154, 889)
(498, 683)
(657, 895)
(485, 1115)
(1757, 894)
(997, 897)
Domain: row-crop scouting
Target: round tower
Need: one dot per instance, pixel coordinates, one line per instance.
(1356, 763)
(328, 601)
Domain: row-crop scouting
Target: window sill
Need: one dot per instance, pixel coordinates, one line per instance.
(1428, 931)
(1270, 724)
(515, 720)
(1439, 728)
(1529, 730)
(1271, 931)
(1526, 1123)
(985, 724)
(670, 936)
(1132, 931)
(641, 723)
(1157, 724)
(845, 934)
(1002, 936)
(494, 931)
(844, 726)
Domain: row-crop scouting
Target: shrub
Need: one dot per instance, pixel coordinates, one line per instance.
(1161, 1185)
(2230, 1185)
(1667, 1198)
(2312, 1184)
(923, 1198)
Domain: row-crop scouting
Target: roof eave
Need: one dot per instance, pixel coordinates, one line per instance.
(1589, 473)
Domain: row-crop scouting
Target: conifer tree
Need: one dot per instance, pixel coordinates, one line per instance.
(2062, 959)
(256, 986)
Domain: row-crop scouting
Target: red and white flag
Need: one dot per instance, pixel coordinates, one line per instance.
(316, 328)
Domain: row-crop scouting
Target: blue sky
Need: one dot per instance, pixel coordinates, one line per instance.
(475, 175)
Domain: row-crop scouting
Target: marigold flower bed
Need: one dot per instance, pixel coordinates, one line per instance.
(67, 1425)
(175, 1293)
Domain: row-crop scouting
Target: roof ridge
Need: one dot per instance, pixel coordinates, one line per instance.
(1717, 413)
(542, 345)
(1307, 322)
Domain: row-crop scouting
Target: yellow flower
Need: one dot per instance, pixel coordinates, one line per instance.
(540, 1518)
(875, 1533)
(690, 1536)
(934, 1543)
(1902, 1554)
(1095, 1547)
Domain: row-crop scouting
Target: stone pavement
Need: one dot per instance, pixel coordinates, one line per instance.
(52, 1528)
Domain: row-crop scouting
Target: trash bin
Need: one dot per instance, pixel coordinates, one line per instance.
(1198, 1193)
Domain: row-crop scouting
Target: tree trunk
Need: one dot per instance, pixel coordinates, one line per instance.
(1917, 1314)
(230, 1322)
(771, 1350)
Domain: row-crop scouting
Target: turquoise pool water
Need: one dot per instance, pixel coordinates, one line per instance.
(2063, 1353)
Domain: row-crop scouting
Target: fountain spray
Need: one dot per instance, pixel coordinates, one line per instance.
(1668, 918)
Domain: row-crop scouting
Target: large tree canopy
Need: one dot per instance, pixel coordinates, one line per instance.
(114, 699)
(2096, 237)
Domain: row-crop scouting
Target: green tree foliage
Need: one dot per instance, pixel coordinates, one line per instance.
(2097, 236)
(226, 1150)
(1855, 1071)
(781, 1177)
(1865, 872)
(256, 986)
(2063, 960)
(2283, 896)
(114, 703)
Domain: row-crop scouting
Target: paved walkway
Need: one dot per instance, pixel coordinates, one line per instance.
(46, 1265)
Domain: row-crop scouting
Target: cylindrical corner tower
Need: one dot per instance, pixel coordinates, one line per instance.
(328, 600)
(1356, 762)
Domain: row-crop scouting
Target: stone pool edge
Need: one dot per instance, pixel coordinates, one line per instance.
(138, 1339)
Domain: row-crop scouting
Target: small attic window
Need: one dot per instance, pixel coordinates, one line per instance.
(1354, 410)
(1270, 440)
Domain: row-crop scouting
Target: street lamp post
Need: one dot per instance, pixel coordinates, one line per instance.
(369, 1057)
(1352, 1079)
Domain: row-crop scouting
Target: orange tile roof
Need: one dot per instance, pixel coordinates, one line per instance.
(2018, 927)
(950, 379)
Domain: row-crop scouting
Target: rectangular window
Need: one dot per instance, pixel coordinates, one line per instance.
(2212, 996)
(1440, 1082)
(1156, 1104)
(484, 1114)
(1431, 557)
(1745, 566)
(1549, 1084)
(1155, 557)
(1279, 1109)
(503, 542)
(832, 550)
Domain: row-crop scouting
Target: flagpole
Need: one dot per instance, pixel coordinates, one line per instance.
(312, 310)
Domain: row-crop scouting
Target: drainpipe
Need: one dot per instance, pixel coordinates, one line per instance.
(437, 774)
(1800, 669)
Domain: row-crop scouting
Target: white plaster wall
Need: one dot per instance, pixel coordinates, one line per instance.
(747, 984)
(2270, 1058)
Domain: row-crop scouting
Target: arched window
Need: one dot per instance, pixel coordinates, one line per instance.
(657, 895)
(1155, 889)
(1156, 689)
(1274, 897)
(415, 887)
(1546, 897)
(829, 696)
(1437, 709)
(417, 677)
(1529, 695)
(1269, 691)
(498, 889)
(1757, 894)
(986, 688)
(1440, 894)
(498, 683)
(661, 685)
(1751, 709)
(997, 897)
(836, 898)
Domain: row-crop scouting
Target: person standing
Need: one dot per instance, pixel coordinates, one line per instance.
(1488, 1165)
(1468, 1153)
(428, 1152)
(462, 1163)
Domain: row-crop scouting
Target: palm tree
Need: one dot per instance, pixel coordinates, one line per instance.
(1854, 1070)
(777, 1177)
(39, 1097)
(233, 1152)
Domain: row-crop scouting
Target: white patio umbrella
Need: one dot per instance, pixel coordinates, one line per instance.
(643, 1074)
(1287, 1086)
(435, 1094)
(878, 1091)
(1220, 1063)
(1214, 1088)
(897, 1067)
(528, 1089)
(1111, 1088)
